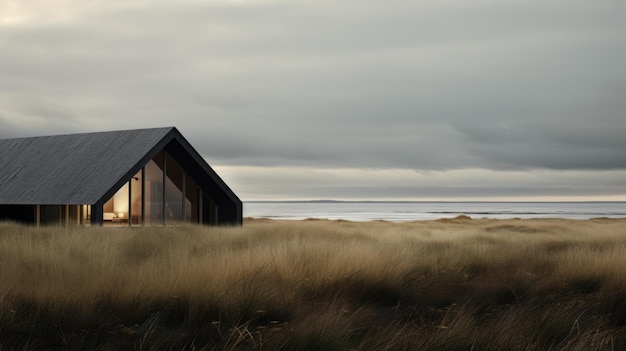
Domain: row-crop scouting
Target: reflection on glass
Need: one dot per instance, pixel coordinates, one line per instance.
(87, 214)
(173, 190)
(144, 198)
(192, 205)
(154, 191)
(135, 198)
(50, 214)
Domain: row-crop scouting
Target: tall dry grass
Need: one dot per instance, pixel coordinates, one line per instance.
(456, 284)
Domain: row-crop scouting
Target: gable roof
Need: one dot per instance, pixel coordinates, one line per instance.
(82, 168)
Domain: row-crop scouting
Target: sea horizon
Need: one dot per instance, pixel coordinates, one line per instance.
(402, 211)
(431, 201)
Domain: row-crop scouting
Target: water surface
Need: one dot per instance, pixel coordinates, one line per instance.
(411, 211)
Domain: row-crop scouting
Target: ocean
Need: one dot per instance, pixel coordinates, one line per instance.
(411, 211)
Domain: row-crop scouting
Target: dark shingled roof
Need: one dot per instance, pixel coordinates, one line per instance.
(71, 169)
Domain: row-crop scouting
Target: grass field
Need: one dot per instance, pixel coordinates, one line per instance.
(454, 284)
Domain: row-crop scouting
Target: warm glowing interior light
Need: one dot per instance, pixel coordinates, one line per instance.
(120, 215)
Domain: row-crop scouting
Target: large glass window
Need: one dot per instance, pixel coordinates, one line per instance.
(116, 210)
(192, 201)
(154, 190)
(136, 208)
(87, 214)
(173, 190)
(160, 193)
(50, 214)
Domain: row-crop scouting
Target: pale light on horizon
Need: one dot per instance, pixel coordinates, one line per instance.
(351, 184)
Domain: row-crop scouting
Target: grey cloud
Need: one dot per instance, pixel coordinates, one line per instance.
(24, 114)
(423, 85)
(461, 184)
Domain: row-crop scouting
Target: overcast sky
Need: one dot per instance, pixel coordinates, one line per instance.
(339, 99)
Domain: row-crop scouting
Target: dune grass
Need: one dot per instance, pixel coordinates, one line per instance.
(453, 284)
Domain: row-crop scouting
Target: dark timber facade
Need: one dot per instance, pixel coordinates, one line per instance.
(121, 178)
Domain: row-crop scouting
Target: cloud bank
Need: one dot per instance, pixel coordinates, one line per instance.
(283, 90)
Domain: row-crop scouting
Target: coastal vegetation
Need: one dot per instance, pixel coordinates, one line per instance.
(449, 284)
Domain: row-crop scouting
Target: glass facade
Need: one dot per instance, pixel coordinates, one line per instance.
(192, 201)
(153, 189)
(50, 215)
(162, 192)
(136, 202)
(173, 190)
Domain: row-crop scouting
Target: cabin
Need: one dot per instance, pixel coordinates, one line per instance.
(118, 178)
